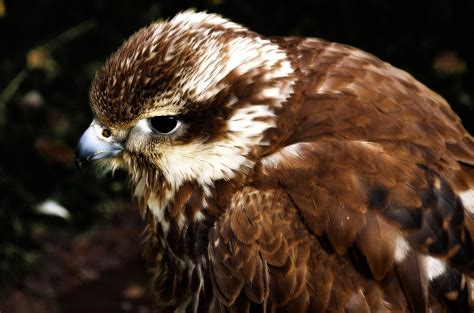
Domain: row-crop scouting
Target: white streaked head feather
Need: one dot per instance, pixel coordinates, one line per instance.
(241, 54)
(191, 18)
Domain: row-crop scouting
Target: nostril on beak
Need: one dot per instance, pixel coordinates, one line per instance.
(91, 148)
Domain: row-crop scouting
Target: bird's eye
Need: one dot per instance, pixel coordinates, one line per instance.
(164, 124)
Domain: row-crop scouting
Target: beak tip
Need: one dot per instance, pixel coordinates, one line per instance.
(80, 160)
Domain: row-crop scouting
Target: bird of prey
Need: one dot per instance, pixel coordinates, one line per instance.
(284, 174)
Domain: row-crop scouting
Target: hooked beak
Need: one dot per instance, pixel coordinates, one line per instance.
(91, 147)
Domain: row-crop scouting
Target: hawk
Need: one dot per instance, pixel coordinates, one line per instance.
(284, 174)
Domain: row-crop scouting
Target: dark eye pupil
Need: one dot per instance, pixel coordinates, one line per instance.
(164, 124)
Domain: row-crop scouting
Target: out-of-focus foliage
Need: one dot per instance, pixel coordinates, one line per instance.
(50, 50)
(50, 72)
(2, 8)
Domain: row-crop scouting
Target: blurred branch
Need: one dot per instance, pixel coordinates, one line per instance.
(40, 57)
(68, 35)
(8, 93)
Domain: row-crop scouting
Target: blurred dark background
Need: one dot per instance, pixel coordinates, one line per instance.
(68, 239)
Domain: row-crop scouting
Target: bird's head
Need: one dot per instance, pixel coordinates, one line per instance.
(192, 99)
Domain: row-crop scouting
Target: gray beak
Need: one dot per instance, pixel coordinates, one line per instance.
(91, 147)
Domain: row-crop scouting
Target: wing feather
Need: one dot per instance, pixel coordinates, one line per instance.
(361, 197)
(281, 266)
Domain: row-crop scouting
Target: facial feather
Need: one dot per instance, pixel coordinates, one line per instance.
(191, 64)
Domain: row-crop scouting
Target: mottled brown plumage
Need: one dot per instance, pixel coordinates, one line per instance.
(301, 175)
